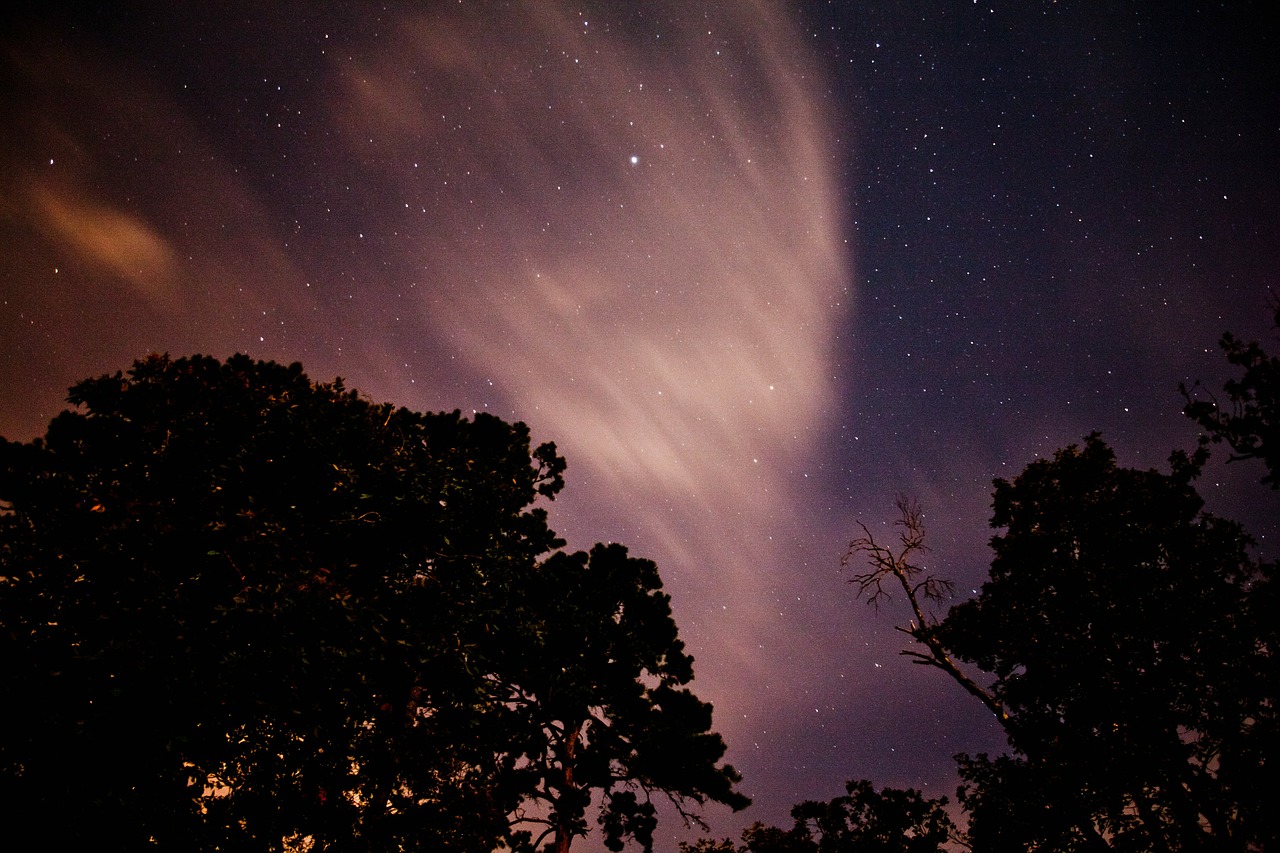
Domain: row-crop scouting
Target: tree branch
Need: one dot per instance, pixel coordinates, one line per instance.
(898, 570)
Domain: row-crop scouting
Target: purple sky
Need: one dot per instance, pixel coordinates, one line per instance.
(756, 269)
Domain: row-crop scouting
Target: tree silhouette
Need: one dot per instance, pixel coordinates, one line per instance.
(1250, 423)
(242, 610)
(1130, 662)
(888, 569)
(865, 820)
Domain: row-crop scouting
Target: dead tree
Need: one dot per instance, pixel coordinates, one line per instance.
(888, 570)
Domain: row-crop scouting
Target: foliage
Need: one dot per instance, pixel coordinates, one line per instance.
(1250, 426)
(1129, 643)
(1126, 656)
(863, 821)
(242, 610)
(600, 688)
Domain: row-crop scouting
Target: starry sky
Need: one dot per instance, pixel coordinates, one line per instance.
(756, 268)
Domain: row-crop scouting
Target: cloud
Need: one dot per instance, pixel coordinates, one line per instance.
(122, 243)
(635, 225)
(625, 229)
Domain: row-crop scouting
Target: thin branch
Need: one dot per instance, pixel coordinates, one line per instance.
(898, 570)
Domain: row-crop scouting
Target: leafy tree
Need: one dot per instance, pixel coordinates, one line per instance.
(600, 691)
(1129, 663)
(1129, 641)
(869, 821)
(1141, 668)
(708, 845)
(1250, 424)
(242, 610)
(863, 821)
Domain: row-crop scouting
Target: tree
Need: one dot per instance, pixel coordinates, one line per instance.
(863, 821)
(1119, 624)
(600, 691)
(242, 610)
(1250, 426)
(1128, 664)
(899, 569)
(1129, 642)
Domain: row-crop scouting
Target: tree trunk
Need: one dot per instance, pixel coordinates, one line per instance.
(564, 829)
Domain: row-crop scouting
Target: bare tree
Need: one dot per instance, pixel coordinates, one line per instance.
(887, 569)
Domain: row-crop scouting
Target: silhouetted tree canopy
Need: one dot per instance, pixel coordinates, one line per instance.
(1118, 627)
(1128, 638)
(241, 610)
(865, 820)
(1249, 423)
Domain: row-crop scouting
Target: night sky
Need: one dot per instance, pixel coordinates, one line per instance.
(755, 268)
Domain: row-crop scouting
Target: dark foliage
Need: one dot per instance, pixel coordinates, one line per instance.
(1249, 422)
(863, 821)
(1128, 640)
(1121, 625)
(241, 610)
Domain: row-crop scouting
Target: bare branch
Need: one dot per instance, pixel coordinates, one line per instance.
(896, 570)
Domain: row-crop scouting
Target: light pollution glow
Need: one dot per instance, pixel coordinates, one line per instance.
(627, 234)
(668, 322)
